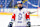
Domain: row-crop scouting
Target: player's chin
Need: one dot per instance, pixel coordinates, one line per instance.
(20, 6)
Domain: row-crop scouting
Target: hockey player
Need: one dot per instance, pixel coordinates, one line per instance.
(20, 17)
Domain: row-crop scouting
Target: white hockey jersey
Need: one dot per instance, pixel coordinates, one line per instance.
(19, 17)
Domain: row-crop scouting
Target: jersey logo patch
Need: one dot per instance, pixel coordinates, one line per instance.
(19, 16)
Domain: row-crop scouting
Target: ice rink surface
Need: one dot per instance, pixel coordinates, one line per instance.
(5, 19)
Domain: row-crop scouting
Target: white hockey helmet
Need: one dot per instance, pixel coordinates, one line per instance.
(19, 2)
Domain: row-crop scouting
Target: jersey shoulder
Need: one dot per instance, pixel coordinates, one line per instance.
(15, 10)
(24, 9)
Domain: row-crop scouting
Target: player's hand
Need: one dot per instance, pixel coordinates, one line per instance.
(10, 24)
(28, 23)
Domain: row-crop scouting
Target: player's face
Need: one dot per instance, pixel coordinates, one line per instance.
(19, 5)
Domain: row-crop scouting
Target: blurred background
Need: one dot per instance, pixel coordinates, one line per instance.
(13, 3)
